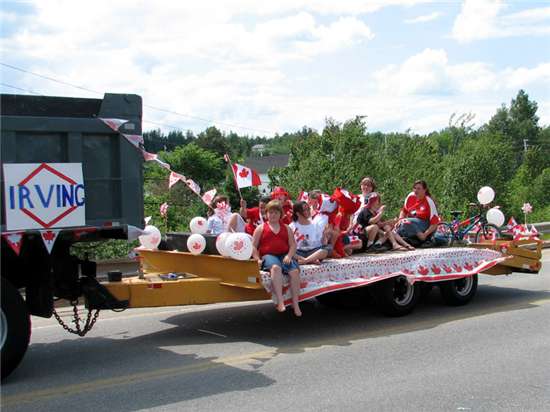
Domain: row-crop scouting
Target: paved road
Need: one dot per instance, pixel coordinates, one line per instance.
(493, 354)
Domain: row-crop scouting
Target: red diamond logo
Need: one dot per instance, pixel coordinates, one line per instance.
(45, 168)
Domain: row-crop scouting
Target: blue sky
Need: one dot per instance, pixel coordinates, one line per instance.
(261, 68)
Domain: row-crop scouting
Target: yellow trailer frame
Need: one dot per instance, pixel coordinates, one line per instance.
(206, 279)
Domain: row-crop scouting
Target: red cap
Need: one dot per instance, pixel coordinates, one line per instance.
(279, 191)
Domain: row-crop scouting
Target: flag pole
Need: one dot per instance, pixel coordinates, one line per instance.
(228, 161)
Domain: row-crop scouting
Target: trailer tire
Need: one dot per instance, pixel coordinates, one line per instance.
(396, 296)
(15, 329)
(460, 291)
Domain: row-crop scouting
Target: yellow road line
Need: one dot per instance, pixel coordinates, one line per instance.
(69, 390)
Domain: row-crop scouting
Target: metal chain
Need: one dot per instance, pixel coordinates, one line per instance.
(78, 330)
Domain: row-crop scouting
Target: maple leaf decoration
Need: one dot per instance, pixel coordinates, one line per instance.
(49, 235)
(238, 245)
(243, 173)
(196, 245)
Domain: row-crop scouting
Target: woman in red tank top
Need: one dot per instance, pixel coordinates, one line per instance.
(275, 248)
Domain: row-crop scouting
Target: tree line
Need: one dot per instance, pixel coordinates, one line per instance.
(511, 153)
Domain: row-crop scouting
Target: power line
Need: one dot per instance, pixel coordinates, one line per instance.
(49, 78)
(160, 109)
(19, 88)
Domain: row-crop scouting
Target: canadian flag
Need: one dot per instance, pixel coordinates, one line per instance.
(15, 240)
(245, 176)
(303, 197)
(207, 197)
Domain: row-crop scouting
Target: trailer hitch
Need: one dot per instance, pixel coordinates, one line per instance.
(97, 297)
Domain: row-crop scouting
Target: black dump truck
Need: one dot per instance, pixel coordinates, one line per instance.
(41, 134)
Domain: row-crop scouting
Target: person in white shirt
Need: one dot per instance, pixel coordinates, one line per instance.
(311, 238)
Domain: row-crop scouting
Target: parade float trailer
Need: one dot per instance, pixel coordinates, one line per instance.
(395, 279)
(71, 173)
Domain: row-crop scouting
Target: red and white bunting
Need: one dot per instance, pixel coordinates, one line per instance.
(207, 197)
(135, 139)
(193, 186)
(511, 223)
(14, 240)
(164, 210)
(174, 178)
(245, 176)
(148, 156)
(49, 237)
(161, 163)
(114, 123)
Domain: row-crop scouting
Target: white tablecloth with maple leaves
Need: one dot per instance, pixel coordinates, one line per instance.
(427, 265)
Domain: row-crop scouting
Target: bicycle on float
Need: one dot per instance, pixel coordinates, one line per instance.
(474, 229)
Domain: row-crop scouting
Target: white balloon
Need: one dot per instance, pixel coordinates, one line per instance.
(485, 195)
(495, 216)
(239, 246)
(151, 237)
(220, 243)
(196, 243)
(198, 225)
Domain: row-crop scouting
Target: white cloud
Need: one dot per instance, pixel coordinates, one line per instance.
(424, 18)
(436, 88)
(235, 62)
(484, 19)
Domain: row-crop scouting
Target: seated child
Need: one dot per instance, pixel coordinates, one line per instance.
(371, 217)
(311, 239)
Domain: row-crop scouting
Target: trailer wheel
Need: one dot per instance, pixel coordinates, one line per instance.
(396, 296)
(15, 328)
(460, 291)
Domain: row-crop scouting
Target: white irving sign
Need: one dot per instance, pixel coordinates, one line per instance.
(44, 195)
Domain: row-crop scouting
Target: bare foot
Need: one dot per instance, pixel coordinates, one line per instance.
(297, 311)
(316, 262)
(410, 247)
(398, 247)
(281, 307)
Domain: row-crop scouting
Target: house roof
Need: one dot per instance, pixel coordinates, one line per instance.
(262, 164)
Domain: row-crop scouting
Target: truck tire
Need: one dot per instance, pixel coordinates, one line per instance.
(460, 291)
(396, 296)
(15, 328)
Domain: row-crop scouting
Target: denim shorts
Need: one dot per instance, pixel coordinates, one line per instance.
(305, 253)
(411, 226)
(270, 260)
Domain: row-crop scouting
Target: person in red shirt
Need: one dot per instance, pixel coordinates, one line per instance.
(280, 194)
(274, 247)
(418, 217)
(254, 216)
